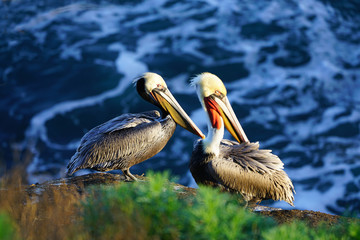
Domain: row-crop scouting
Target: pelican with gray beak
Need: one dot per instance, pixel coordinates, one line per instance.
(133, 138)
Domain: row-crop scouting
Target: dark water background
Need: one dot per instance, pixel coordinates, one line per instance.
(292, 69)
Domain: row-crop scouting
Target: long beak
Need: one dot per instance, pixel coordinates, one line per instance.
(170, 105)
(230, 120)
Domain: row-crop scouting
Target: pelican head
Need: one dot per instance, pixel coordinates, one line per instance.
(152, 88)
(212, 95)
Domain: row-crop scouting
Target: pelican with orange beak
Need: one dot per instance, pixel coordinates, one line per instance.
(240, 166)
(133, 138)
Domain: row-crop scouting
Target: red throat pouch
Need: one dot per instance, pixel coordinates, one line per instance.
(213, 111)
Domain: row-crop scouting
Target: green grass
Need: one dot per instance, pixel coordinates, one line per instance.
(300, 230)
(153, 209)
(7, 227)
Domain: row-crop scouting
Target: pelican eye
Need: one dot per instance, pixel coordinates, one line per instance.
(219, 94)
(159, 86)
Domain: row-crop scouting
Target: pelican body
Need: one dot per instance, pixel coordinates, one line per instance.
(133, 138)
(240, 166)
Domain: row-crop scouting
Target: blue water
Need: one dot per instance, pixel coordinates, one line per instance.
(292, 70)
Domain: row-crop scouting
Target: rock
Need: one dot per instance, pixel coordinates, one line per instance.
(312, 218)
(82, 182)
(93, 179)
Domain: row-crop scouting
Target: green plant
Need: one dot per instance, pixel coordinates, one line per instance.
(140, 208)
(300, 230)
(354, 229)
(7, 227)
(154, 209)
(295, 230)
(218, 215)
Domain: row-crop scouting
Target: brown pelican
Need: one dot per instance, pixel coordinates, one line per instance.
(255, 173)
(133, 138)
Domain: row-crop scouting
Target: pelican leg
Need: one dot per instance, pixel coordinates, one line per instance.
(128, 175)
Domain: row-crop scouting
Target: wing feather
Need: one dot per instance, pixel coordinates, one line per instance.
(254, 172)
(249, 155)
(113, 140)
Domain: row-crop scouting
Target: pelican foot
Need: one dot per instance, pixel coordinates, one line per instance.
(129, 176)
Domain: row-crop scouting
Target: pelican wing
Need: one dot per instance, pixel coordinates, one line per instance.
(254, 172)
(249, 156)
(113, 140)
(128, 121)
(122, 122)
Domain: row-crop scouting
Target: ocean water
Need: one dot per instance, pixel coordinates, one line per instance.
(292, 70)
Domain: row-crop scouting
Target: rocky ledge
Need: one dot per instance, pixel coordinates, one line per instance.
(313, 218)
